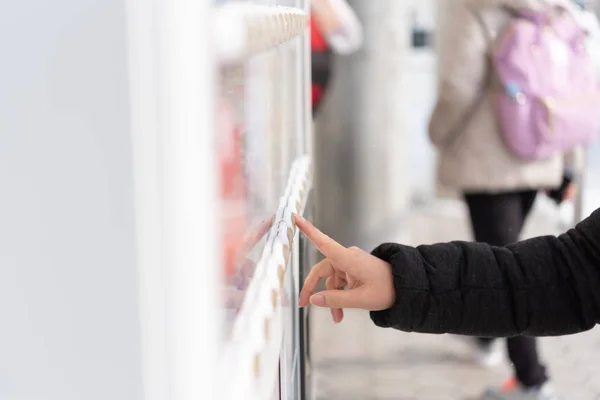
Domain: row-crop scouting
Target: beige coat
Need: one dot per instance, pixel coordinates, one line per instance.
(472, 154)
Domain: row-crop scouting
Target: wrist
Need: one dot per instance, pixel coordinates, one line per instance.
(388, 289)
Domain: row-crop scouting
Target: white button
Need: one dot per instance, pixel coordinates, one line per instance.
(280, 213)
(288, 217)
(278, 252)
(283, 200)
(266, 302)
(283, 234)
(266, 253)
(256, 330)
(292, 205)
(296, 192)
(286, 234)
(297, 196)
(273, 271)
(271, 236)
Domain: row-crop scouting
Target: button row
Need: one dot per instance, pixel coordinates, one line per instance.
(244, 29)
(277, 257)
(260, 328)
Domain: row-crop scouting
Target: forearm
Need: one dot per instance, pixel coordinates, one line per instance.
(539, 287)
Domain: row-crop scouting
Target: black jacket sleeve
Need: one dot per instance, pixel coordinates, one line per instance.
(540, 287)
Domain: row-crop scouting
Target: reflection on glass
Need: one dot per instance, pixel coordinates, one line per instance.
(257, 142)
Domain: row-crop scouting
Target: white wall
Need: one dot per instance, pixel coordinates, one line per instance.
(68, 295)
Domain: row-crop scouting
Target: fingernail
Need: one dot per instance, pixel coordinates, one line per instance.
(317, 300)
(299, 218)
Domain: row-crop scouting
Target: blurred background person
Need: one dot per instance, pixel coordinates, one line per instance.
(334, 29)
(476, 157)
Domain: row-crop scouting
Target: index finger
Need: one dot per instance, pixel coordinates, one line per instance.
(326, 245)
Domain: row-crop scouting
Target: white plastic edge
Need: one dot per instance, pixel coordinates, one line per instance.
(244, 29)
(245, 342)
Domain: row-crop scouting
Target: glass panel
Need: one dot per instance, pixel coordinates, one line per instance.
(257, 141)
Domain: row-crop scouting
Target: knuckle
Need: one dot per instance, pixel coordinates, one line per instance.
(329, 283)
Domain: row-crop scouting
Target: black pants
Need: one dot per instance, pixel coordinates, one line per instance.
(498, 219)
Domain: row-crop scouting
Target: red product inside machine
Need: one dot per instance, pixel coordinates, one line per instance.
(233, 187)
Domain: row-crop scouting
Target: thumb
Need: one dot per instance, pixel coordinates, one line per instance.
(353, 298)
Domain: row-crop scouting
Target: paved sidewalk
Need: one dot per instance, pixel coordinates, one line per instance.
(357, 361)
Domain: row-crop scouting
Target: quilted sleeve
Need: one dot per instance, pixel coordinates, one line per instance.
(539, 287)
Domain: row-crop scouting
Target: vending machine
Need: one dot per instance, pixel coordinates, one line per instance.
(222, 150)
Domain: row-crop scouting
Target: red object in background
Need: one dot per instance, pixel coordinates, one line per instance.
(233, 187)
(317, 94)
(320, 63)
(317, 39)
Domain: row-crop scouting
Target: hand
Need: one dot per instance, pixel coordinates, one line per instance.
(570, 192)
(319, 4)
(355, 278)
(326, 15)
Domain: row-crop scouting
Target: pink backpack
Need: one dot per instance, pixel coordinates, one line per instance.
(548, 98)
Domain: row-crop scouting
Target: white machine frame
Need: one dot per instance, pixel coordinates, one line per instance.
(175, 49)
